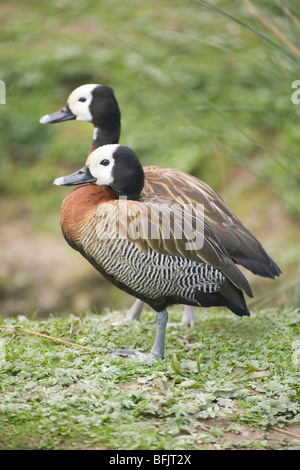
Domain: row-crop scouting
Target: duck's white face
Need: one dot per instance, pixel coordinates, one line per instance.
(79, 102)
(110, 165)
(101, 163)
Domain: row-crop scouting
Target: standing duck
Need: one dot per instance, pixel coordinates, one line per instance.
(161, 270)
(97, 104)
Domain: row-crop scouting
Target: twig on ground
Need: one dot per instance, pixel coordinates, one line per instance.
(44, 336)
(286, 432)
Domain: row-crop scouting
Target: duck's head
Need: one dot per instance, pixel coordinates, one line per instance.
(111, 165)
(91, 103)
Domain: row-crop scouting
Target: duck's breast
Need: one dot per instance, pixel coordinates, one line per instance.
(78, 215)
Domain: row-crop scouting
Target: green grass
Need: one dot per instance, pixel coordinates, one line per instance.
(226, 373)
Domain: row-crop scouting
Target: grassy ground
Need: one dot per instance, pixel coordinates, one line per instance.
(227, 383)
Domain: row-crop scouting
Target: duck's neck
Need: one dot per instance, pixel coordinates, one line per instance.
(79, 205)
(103, 136)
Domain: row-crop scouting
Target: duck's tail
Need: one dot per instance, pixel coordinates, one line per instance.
(228, 296)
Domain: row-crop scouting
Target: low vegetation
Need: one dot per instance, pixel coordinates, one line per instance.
(227, 383)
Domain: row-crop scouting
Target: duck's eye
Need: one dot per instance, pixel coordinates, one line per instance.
(104, 162)
(82, 99)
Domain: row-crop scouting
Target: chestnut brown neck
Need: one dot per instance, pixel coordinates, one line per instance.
(80, 204)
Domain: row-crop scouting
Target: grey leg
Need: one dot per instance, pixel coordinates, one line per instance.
(188, 315)
(158, 348)
(159, 343)
(135, 312)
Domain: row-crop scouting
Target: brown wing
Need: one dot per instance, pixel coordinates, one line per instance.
(157, 223)
(241, 245)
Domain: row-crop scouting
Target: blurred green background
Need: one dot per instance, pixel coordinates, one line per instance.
(202, 86)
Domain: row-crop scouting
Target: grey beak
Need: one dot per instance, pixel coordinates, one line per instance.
(64, 114)
(81, 176)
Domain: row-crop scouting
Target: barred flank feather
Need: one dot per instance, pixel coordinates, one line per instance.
(152, 274)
